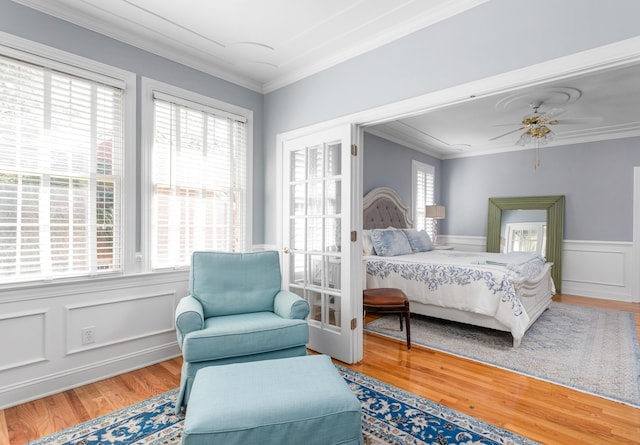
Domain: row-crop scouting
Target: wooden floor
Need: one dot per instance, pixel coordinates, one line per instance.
(539, 410)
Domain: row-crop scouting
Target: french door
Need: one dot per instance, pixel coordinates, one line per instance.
(317, 240)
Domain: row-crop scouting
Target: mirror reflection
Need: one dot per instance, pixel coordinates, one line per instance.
(552, 206)
(524, 231)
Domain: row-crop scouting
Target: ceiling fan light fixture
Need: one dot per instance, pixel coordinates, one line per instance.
(536, 134)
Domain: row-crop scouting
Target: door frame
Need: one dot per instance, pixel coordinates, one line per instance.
(635, 254)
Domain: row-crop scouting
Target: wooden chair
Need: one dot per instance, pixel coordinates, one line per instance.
(389, 301)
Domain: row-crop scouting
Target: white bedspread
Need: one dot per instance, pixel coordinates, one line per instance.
(477, 282)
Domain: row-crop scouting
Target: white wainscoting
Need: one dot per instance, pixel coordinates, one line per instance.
(466, 243)
(596, 269)
(42, 351)
(29, 347)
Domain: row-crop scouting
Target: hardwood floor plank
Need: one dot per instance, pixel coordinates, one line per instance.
(4, 429)
(80, 414)
(547, 413)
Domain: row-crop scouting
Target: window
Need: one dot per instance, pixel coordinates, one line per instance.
(198, 179)
(423, 194)
(61, 167)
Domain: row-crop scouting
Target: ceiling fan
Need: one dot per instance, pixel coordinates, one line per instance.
(536, 127)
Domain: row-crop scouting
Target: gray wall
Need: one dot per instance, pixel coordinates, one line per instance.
(596, 179)
(29, 24)
(387, 164)
(495, 37)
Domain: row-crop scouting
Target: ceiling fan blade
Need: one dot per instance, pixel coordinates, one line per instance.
(553, 112)
(506, 125)
(577, 121)
(507, 134)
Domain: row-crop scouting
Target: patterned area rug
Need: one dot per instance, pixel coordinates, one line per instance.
(389, 416)
(588, 349)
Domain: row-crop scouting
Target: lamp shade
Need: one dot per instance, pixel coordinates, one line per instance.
(435, 211)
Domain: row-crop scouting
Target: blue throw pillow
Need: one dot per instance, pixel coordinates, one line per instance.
(419, 240)
(390, 242)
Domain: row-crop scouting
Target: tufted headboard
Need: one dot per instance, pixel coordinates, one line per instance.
(383, 207)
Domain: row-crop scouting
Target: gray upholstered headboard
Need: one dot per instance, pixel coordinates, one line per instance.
(383, 207)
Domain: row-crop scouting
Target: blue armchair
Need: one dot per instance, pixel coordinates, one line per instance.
(237, 312)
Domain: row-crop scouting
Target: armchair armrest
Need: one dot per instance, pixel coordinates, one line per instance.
(289, 305)
(189, 317)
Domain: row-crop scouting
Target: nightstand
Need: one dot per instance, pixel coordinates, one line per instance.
(442, 247)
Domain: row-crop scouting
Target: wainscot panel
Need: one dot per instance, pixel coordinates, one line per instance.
(24, 340)
(64, 335)
(107, 322)
(598, 269)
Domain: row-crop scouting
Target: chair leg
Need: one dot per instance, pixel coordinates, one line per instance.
(400, 316)
(407, 320)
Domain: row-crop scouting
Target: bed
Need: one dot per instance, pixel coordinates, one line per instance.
(507, 292)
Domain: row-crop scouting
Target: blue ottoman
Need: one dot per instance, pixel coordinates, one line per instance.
(299, 400)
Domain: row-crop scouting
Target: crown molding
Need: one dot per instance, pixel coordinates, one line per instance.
(421, 21)
(180, 53)
(193, 57)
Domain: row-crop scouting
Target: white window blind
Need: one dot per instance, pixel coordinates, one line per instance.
(61, 150)
(423, 194)
(199, 181)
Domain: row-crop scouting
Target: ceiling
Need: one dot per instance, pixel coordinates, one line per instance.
(258, 44)
(264, 45)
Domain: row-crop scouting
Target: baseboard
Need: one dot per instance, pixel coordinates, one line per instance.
(71, 378)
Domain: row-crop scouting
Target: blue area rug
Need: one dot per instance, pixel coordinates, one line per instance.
(588, 349)
(389, 416)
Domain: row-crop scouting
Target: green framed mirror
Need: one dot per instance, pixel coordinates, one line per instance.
(554, 205)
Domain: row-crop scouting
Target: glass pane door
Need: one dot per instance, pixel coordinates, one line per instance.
(316, 235)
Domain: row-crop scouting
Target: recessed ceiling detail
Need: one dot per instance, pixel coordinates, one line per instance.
(254, 44)
(548, 98)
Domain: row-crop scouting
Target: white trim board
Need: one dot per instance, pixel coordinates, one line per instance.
(47, 385)
(636, 236)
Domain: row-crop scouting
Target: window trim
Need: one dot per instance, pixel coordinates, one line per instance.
(69, 63)
(429, 169)
(149, 87)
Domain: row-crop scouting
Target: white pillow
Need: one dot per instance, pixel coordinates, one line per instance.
(390, 242)
(367, 244)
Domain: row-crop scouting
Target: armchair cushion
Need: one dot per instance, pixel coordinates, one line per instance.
(235, 283)
(243, 334)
